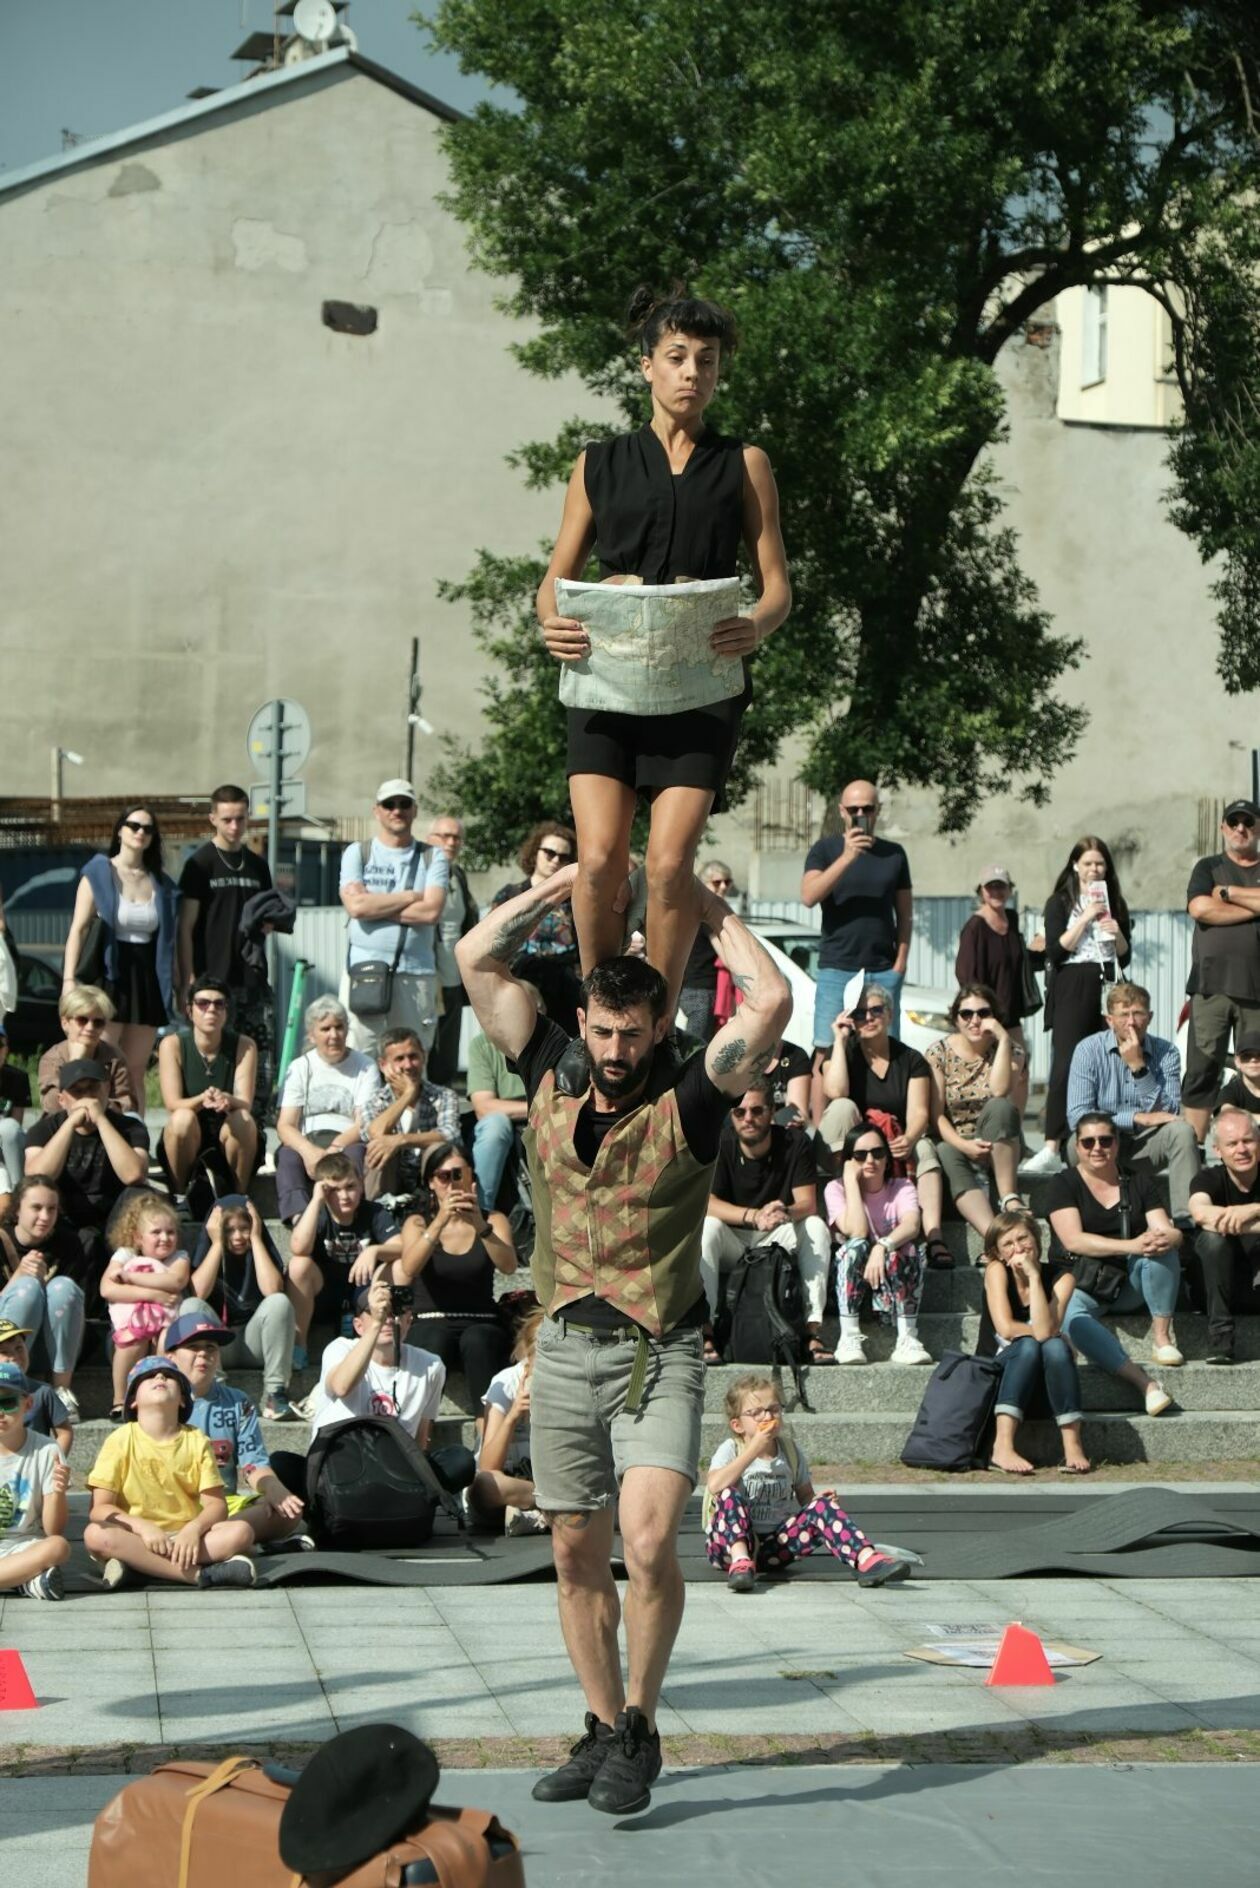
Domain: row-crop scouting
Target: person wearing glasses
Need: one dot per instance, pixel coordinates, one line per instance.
(394, 892)
(991, 951)
(548, 959)
(1087, 931)
(863, 886)
(85, 1013)
(698, 997)
(1223, 898)
(1124, 1253)
(1136, 1078)
(870, 1076)
(459, 914)
(1025, 1303)
(876, 1216)
(977, 1124)
(452, 1253)
(207, 1072)
(136, 902)
(765, 1192)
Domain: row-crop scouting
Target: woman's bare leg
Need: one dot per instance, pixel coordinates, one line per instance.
(679, 817)
(603, 813)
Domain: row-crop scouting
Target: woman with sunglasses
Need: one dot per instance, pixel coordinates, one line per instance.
(207, 1073)
(991, 951)
(871, 1076)
(548, 959)
(135, 901)
(1125, 1252)
(977, 1123)
(1087, 929)
(879, 1262)
(1025, 1302)
(451, 1251)
(672, 502)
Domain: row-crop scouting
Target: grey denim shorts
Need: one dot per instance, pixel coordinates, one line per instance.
(582, 1440)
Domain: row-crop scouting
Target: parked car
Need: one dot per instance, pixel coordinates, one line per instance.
(924, 1011)
(33, 1023)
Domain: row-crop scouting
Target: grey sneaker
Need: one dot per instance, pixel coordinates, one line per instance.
(236, 1570)
(70, 1403)
(573, 1780)
(277, 1408)
(631, 1765)
(49, 1585)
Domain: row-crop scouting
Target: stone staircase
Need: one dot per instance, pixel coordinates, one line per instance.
(862, 1415)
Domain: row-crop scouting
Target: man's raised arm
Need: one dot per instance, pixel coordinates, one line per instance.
(742, 1047)
(503, 1007)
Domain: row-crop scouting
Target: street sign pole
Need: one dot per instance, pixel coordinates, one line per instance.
(277, 782)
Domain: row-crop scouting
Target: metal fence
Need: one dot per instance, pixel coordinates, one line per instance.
(1161, 951)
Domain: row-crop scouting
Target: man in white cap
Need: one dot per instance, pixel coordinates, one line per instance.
(394, 890)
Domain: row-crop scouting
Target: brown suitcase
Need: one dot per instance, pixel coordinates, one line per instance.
(200, 1825)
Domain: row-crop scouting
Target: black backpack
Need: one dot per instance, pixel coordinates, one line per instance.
(952, 1426)
(763, 1316)
(369, 1485)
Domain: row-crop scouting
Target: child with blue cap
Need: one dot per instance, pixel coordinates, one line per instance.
(34, 1477)
(158, 1507)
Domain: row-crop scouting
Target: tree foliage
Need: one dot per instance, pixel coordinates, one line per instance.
(885, 196)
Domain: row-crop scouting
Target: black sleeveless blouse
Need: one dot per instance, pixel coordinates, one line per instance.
(661, 526)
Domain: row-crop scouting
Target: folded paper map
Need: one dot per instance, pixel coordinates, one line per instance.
(650, 651)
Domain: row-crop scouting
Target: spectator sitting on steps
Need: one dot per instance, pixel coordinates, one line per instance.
(337, 1245)
(1223, 898)
(207, 1072)
(505, 1477)
(404, 1117)
(877, 1218)
(321, 1108)
(1225, 1207)
(765, 1191)
(85, 1012)
(977, 1124)
(1024, 1306)
(238, 1282)
(92, 1153)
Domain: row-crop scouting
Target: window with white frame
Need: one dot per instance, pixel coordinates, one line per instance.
(1094, 337)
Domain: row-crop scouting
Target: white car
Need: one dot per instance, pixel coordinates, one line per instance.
(924, 1012)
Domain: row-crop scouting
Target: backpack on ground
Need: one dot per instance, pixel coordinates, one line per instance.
(951, 1430)
(369, 1485)
(763, 1316)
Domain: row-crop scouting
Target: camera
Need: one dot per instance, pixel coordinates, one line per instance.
(400, 1299)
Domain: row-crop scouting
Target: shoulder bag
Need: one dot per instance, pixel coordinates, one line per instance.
(1104, 1279)
(371, 985)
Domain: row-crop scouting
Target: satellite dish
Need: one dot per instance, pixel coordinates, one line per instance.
(315, 20)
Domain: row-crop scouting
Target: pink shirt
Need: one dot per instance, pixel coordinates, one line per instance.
(885, 1208)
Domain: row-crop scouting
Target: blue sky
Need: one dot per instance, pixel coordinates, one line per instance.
(96, 66)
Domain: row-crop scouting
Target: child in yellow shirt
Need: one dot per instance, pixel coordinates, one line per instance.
(158, 1507)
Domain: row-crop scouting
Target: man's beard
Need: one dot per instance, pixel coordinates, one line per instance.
(627, 1082)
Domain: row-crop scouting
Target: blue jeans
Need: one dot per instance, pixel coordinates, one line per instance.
(1152, 1281)
(1024, 1362)
(57, 1308)
(829, 999)
(492, 1145)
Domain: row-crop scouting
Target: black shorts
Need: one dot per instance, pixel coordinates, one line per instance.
(692, 749)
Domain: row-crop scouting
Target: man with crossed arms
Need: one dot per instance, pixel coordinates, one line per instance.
(621, 1176)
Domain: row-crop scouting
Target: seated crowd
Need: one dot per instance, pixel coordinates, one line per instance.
(404, 1202)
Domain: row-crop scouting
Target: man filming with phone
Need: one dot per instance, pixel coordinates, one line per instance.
(863, 885)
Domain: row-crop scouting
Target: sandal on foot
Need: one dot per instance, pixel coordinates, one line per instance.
(818, 1352)
(939, 1256)
(1022, 1473)
(1076, 1468)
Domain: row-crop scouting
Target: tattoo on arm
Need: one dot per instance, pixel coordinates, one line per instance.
(729, 1056)
(510, 935)
(743, 981)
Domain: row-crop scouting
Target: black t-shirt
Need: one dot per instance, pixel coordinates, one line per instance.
(701, 968)
(340, 1244)
(63, 1252)
(47, 1411)
(890, 1091)
(859, 914)
(702, 1110)
(1225, 958)
(1052, 1270)
(755, 1180)
(1103, 1222)
(15, 1089)
(87, 1183)
(1237, 1095)
(1222, 1189)
(236, 1293)
(222, 883)
(793, 1061)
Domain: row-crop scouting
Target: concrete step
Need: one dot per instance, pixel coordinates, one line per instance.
(858, 1389)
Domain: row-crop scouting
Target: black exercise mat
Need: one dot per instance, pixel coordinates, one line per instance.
(1137, 1533)
(447, 1560)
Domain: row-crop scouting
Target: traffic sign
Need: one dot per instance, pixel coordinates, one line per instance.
(295, 738)
(290, 802)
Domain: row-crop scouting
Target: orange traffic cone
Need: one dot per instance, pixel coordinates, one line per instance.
(1021, 1660)
(15, 1686)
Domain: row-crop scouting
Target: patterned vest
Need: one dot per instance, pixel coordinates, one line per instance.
(627, 1229)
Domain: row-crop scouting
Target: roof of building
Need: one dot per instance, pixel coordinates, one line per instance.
(271, 88)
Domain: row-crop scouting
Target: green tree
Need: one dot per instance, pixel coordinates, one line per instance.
(886, 196)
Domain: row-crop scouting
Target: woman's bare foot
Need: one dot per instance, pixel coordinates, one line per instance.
(1010, 1462)
(1075, 1463)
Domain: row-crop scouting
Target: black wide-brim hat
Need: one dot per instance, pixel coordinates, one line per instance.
(359, 1792)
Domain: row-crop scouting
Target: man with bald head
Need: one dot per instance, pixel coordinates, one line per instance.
(863, 886)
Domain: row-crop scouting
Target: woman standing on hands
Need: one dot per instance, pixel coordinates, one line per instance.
(669, 503)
